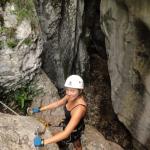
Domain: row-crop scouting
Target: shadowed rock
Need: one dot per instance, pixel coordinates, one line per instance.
(127, 31)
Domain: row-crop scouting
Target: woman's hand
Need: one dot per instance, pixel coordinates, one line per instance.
(77, 114)
(35, 110)
(38, 142)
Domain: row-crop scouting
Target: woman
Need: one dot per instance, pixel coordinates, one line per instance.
(75, 109)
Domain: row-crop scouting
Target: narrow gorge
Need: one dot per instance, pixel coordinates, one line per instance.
(42, 42)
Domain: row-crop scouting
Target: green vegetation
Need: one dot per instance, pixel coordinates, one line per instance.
(3, 2)
(25, 95)
(10, 34)
(2, 29)
(1, 44)
(28, 41)
(25, 9)
(11, 42)
(21, 97)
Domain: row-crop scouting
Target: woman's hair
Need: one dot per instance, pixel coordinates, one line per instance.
(82, 93)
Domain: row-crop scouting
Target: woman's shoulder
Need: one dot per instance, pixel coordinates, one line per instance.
(80, 107)
(80, 104)
(81, 101)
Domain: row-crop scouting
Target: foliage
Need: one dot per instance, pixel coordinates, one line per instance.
(28, 41)
(10, 32)
(1, 44)
(25, 94)
(11, 42)
(25, 9)
(3, 2)
(22, 97)
(2, 29)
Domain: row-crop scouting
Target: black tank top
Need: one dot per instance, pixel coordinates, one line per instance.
(68, 117)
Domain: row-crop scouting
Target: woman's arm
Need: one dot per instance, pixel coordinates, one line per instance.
(77, 114)
(55, 104)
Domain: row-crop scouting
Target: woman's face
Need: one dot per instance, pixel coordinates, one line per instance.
(72, 93)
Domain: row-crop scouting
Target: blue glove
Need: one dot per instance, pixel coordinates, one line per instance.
(35, 110)
(38, 142)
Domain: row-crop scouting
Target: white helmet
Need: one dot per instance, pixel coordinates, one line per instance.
(74, 81)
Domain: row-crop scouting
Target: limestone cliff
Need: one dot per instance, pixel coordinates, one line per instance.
(114, 63)
(20, 43)
(126, 25)
(64, 50)
(17, 132)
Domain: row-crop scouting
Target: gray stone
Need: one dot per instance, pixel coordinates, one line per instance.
(10, 18)
(23, 30)
(64, 50)
(18, 132)
(94, 140)
(48, 95)
(127, 30)
(20, 49)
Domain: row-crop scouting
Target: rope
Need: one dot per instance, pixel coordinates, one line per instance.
(45, 123)
(9, 108)
(40, 120)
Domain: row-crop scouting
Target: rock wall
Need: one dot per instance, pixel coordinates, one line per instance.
(126, 25)
(20, 43)
(98, 90)
(64, 51)
(74, 43)
(48, 95)
(18, 132)
(92, 139)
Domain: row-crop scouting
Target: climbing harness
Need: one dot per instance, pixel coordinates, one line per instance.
(44, 122)
(76, 134)
(9, 108)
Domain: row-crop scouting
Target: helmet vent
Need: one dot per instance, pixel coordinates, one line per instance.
(70, 83)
